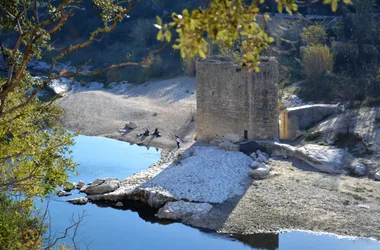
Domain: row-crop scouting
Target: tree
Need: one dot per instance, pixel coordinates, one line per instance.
(34, 151)
(223, 22)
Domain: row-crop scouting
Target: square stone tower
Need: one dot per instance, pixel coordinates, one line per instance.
(233, 104)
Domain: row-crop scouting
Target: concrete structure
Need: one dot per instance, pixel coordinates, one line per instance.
(303, 118)
(233, 104)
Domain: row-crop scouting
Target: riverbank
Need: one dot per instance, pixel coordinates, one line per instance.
(295, 196)
(168, 105)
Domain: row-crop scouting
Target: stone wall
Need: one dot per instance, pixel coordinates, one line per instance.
(233, 104)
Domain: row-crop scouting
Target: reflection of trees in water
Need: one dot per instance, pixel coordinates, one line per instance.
(144, 211)
(259, 241)
(147, 213)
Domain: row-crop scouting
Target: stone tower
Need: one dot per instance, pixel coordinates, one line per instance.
(233, 104)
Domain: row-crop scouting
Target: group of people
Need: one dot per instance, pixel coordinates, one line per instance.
(156, 133)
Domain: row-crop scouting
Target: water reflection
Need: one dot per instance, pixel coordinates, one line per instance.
(268, 241)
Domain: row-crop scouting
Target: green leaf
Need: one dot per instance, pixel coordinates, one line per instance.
(168, 36)
(158, 20)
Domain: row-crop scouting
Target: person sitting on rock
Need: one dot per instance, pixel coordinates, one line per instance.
(156, 133)
(146, 133)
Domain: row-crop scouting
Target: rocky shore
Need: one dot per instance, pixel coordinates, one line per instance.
(212, 188)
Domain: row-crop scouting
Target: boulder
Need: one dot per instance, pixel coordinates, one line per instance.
(182, 210)
(61, 193)
(132, 125)
(70, 187)
(262, 158)
(229, 146)
(260, 173)
(358, 169)
(79, 185)
(324, 158)
(154, 197)
(119, 204)
(377, 176)
(256, 164)
(78, 201)
(253, 156)
(82, 189)
(101, 186)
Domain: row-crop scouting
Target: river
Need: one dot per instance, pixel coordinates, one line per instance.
(134, 226)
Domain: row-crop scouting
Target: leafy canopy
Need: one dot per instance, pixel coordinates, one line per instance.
(223, 22)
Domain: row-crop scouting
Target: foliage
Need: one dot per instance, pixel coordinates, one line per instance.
(317, 60)
(32, 155)
(223, 22)
(34, 152)
(314, 35)
(19, 229)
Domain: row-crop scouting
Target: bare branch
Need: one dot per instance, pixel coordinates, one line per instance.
(36, 12)
(75, 225)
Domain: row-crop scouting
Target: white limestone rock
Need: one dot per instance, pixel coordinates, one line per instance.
(154, 197)
(101, 186)
(358, 169)
(211, 175)
(61, 193)
(256, 164)
(324, 158)
(181, 210)
(78, 201)
(260, 173)
(377, 176)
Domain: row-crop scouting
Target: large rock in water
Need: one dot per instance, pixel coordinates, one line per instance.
(155, 197)
(326, 159)
(101, 186)
(78, 201)
(181, 210)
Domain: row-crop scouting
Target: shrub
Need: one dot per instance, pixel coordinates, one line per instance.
(317, 60)
(314, 35)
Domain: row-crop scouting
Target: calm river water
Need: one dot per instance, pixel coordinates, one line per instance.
(107, 228)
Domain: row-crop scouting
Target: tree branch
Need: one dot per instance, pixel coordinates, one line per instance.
(36, 12)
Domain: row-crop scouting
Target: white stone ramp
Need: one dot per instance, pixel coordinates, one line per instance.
(207, 174)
